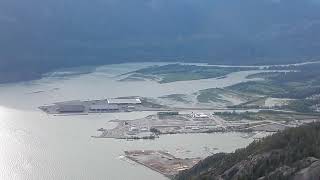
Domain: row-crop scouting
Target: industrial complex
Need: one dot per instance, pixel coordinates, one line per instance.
(99, 106)
(172, 122)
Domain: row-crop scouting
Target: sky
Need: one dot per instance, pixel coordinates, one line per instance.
(45, 34)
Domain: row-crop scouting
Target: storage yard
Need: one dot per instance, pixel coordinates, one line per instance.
(162, 123)
(161, 161)
(171, 122)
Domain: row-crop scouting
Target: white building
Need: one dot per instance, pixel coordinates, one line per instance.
(124, 101)
(200, 115)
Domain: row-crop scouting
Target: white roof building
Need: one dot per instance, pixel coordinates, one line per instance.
(133, 128)
(124, 101)
(200, 115)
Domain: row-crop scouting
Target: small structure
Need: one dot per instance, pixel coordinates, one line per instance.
(200, 115)
(144, 129)
(131, 133)
(124, 101)
(133, 129)
(195, 128)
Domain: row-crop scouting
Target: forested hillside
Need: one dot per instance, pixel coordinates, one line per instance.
(291, 154)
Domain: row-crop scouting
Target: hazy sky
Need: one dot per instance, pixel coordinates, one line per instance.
(62, 31)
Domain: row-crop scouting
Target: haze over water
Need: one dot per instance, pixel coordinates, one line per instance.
(35, 145)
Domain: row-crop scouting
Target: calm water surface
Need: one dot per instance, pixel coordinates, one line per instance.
(34, 145)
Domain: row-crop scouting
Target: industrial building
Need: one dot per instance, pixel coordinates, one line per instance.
(95, 106)
(71, 108)
(103, 107)
(199, 115)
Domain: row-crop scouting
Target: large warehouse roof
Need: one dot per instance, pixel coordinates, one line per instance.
(124, 101)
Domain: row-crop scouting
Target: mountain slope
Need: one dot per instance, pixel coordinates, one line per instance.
(291, 154)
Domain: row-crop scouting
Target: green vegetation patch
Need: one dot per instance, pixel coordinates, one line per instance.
(300, 83)
(258, 87)
(303, 105)
(177, 97)
(232, 116)
(138, 77)
(224, 96)
(178, 72)
(264, 75)
(267, 115)
(211, 95)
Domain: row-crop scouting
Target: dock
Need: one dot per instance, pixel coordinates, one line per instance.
(161, 161)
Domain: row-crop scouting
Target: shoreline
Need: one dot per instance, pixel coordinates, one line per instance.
(37, 76)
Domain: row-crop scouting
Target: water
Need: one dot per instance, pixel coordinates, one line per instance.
(38, 146)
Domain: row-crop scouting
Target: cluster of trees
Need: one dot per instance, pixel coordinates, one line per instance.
(241, 115)
(303, 82)
(155, 131)
(302, 105)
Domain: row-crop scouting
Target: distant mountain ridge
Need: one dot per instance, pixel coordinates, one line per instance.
(40, 35)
